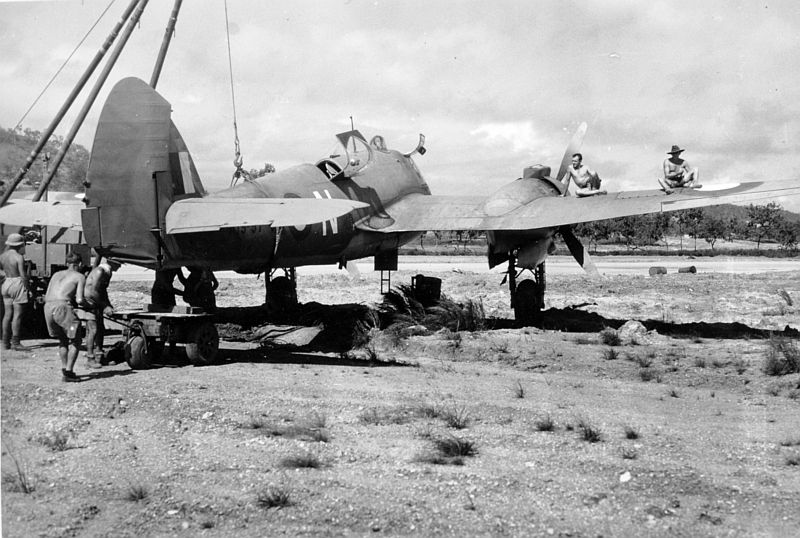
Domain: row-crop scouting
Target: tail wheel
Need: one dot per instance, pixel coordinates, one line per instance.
(137, 353)
(528, 302)
(203, 344)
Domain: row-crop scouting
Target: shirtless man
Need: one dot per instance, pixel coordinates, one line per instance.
(64, 293)
(587, 182)
(14, 289)
(678, 173)
(97, 305)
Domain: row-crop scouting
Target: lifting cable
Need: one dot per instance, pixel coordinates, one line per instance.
(19, 123)
(237, 161)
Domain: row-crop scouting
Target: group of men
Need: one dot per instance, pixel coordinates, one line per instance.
(75, 299)
(72, 300)
(677, 174)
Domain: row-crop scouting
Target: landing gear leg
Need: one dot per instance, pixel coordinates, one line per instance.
(527, 297)
(281, 299)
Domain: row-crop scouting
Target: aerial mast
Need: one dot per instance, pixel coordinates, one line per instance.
(168, 34)
(101, 79)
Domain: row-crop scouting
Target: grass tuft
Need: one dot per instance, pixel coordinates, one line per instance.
(274, 497)
(786, 297)
(793, 460)
(519, 390)
(456, 417)
(55, 440)
(306, 460)
(18, 480)
(629, 453)
(136, 493)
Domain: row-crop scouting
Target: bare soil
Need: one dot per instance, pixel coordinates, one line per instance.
(679, 433)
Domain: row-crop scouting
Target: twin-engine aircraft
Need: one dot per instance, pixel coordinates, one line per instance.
(144, 204)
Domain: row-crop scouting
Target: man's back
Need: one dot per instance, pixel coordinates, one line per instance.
(66, 285)
(96, 288)
(10, 263)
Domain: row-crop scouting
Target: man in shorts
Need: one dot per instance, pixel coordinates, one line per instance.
(678, 173)
(587, 182)
(97, 304)
(14, 289)
(64, 293)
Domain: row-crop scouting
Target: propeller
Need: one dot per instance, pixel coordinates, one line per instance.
(573, 147)
(578, 251)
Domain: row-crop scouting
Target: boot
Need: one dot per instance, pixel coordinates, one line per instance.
(17, 346)
(5, 345)
(92, 362)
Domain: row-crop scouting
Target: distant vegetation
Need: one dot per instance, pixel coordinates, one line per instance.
(702, 231)
(16, 145)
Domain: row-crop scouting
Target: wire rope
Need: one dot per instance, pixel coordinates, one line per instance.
(237, 161)
(62, 66)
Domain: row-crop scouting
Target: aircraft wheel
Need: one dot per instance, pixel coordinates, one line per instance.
(203, 344)
(528, 302)
(281, 296)
(137, 354)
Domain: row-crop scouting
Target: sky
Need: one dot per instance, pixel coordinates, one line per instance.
(494, 85)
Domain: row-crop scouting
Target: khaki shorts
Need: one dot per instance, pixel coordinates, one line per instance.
(13, 291)
(61, 321)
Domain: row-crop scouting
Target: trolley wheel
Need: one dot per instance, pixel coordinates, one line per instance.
(203, 344)
(137, 354)
(528, 302)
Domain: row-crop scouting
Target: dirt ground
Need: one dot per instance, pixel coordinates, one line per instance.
(551, 431)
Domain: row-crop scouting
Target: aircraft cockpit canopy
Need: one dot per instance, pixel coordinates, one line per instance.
(357, 154)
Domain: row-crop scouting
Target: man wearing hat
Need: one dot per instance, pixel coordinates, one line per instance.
(96, 305)
(14, 289)
(678, 173)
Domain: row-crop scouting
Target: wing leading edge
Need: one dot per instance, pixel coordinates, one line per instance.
(416, 213)
(209, 214)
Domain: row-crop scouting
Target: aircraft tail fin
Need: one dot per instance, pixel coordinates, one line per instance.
(138, 167)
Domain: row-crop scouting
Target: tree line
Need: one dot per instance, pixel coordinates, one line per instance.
(757, 223)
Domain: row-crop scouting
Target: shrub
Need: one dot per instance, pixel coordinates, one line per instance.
(545, 424)
(649, 374)
(700, 362)
(631, 433)
(301, 461)
(588, 432)
(610, 337)
(644, 362)
(629, 453)
(55, 440)
(783, 357)
(610, 354)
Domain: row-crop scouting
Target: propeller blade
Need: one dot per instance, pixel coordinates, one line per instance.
(352, 269)
(578, 251)
(574, 146)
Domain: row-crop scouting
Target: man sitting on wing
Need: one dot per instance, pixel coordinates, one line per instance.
(678, 173)
(587, 182)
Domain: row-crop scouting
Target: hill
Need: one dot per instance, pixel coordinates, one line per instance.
(16, 145)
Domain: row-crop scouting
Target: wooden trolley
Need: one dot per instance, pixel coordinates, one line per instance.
(147, 332)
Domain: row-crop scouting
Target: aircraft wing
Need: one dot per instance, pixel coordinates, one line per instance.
(209, 214)
(61, 214)
(421, 213)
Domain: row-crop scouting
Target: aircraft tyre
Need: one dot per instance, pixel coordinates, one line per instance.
(281, 297)
(137, 353)
(203, 344)
(528, 302)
